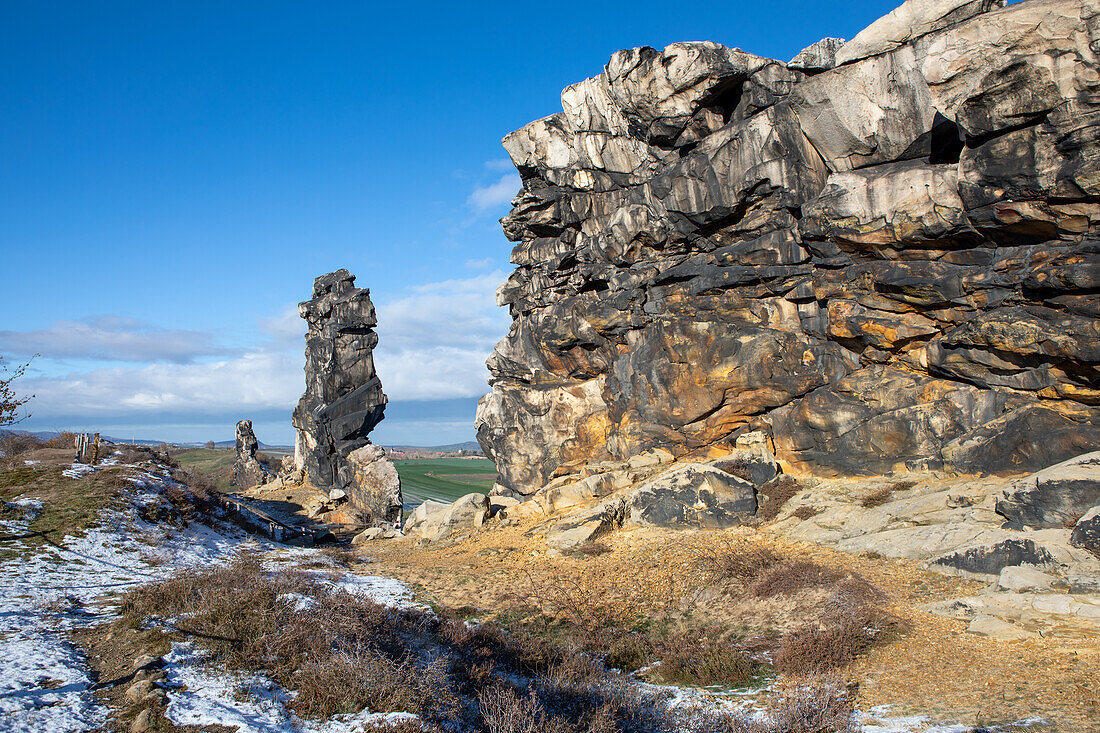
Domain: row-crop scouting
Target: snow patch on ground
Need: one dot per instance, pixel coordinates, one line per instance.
(201, 695)
(878, 720)
(49, 591)
(77, 470)
(53, 589)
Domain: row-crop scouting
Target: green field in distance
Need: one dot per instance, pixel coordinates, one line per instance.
(444, 479)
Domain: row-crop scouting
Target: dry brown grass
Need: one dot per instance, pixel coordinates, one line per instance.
(772, 496)
(805, 512)
(881, 495)
(790, 576)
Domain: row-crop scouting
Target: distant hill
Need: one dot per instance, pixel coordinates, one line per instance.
(449, 448)
(47, 434)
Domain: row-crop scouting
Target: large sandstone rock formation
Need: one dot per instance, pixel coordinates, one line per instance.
(881, 254)
(343, 400)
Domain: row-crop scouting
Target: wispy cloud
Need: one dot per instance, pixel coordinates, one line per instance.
(480, 264)
(499, 164)
(433, 342)
(495, 194)
(255, 380)
(110, 338)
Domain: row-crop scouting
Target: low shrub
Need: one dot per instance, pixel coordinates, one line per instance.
(852, 621)
(791, 576)
(702, 662)
(772, 496)
(63, 439)
(13, 445)
(882, 494)
(805, 512)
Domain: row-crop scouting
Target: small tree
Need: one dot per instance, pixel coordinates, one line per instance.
(9, 402)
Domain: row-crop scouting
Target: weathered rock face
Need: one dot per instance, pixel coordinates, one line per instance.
(889, 261)
(247, 471)
(343, 400)
(1054, 497)
(376, 487)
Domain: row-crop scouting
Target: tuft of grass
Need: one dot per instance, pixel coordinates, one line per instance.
(882, 494)
(805, 512)
(685, 660)
(772, 496)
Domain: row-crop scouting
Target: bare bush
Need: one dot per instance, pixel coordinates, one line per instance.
(13, 445)
(503, 711)
(63, 439)
(791, 576)
(852, 621)
(882, 494)
(736, 561)
(10, 402)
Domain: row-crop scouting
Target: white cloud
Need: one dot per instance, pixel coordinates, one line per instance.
(256, 380)
(287, 328)
(495, 194)
(479, 264)
(499, 164)
(433, 343)
(110, 338)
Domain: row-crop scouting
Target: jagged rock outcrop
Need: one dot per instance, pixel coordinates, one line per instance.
(247, 470)
(883, 255)
(343, 400)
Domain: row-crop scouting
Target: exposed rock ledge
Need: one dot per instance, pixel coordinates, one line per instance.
(887, 263)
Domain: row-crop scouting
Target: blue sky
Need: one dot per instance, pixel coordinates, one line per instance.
(173, 176)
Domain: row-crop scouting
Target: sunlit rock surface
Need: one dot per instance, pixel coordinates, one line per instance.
(883, 254)
(343, 400)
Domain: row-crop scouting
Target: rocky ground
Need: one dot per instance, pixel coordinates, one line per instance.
(933, 668)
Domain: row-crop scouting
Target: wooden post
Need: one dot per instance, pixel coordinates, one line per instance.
(95, 450)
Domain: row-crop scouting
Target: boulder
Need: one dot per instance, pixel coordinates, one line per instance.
(692, 496)
(376, 487)
(1056, 496)
(756, 465)
(435, 520)
(1022, 579)
(368, 535)
(247, 471)
(1086, 532)
(426, 518)
(587, 526)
